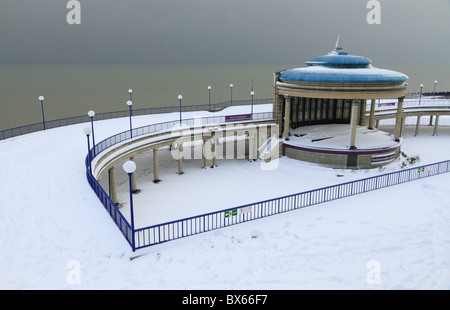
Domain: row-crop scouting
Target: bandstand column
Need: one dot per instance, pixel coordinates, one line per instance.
(180, 159)
(287, 113)
(354, 122)
(417, 125)
(436, 124)
(155, 166)
(252, 145)
(112, 185)
(372, 114)
(362, 113)
(214, 151)
(206, 152)
(398, 120)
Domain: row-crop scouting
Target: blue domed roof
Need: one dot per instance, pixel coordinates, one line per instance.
(340, 67)
(340, 60)
(338, 75)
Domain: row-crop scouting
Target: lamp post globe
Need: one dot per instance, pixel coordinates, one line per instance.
(130, 91)
(87, 131)
(129, 166)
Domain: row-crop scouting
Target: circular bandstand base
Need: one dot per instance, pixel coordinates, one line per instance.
(329, 145)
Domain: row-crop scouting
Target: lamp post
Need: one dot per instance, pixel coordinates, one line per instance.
(434, 91)
(231, 95)
(209, 98)
(420, 97)
(129, 167)
(41, 99)
(179, 98)
(87, 131)
(91, 114)
(252, 93)
(130, 104)
(130, 91)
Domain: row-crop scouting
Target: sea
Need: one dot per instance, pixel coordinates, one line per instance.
(74, 89)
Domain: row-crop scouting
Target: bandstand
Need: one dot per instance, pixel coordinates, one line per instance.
(321, 110)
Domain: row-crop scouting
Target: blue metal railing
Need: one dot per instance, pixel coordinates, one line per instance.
(26, 129)
(143, 237)
(206, 222)
(109, 205)
(148, 236)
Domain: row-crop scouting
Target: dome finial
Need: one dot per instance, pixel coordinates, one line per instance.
(338, 48)
(338, 44)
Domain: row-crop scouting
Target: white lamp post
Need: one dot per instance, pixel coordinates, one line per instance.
(130, 167)
(41, 99)
(434, 91)
(91, 114)
(231, 94)
(252, 93)
(130, 104)
(179, 98)
(420, 97)
(130, 91)
(87, 131)
(209, 98)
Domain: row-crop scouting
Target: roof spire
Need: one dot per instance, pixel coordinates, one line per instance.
(338, 48)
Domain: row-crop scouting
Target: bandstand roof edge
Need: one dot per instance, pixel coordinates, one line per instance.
(343, 93)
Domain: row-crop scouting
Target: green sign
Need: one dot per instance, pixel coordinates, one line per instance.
(231, 213)
(421, 169)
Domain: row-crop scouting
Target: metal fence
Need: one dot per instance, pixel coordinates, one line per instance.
(160, 233)
(109, 205)
(143, 237)
(26, 129)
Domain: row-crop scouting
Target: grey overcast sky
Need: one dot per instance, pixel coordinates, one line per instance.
(222, 31)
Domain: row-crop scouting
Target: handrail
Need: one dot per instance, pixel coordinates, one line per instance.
(164, 127)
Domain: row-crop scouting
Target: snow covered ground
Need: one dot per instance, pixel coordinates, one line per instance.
(55, 234)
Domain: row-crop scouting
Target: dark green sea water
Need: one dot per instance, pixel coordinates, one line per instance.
(72, 90)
